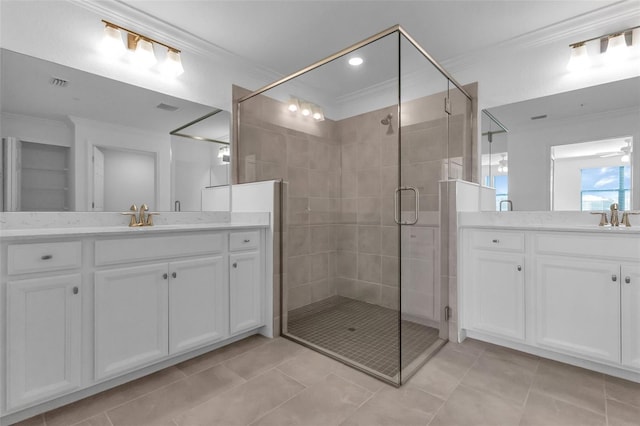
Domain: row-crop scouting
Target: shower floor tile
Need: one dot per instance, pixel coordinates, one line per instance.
(362, 332)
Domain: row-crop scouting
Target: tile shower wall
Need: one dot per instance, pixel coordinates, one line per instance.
(339, 234)
(306, 155)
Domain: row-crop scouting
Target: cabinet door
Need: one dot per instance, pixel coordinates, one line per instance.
(245, 291)
(631, 315)
(43, 338)
(578, 306)
(496, 294)
(131, 318)
(198, 303)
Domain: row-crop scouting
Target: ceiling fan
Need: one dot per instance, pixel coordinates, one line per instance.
(624, 151)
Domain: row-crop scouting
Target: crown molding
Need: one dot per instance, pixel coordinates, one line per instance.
(128, 16)
(601, 20)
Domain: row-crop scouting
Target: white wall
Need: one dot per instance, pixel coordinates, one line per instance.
(33, 129)
(89, 133)
(129, 178)
(530, 154)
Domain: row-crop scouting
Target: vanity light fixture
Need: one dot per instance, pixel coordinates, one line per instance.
(306, 109)
(142, 47)
(503, 165)
(614, 46)
(224, 153)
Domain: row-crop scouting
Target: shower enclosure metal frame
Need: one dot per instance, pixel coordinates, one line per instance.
(445, 310)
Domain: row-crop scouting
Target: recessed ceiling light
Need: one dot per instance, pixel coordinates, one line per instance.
(355, 61)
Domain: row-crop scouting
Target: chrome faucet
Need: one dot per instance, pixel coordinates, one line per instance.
(509, 202)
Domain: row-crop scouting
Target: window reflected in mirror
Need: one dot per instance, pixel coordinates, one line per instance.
(590, 176)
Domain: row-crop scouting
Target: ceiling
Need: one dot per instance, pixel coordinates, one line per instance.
(285, 36)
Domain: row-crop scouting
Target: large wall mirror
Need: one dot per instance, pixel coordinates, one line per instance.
(570, 151)
(75, 141)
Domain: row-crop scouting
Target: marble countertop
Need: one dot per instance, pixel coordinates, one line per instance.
(33, 225)
(122, 230)
(543, 221)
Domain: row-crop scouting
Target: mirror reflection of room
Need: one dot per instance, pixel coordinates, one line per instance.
(573, 151)
(75, 141)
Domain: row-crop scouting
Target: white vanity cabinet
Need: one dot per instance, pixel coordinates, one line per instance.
(83, 312)
(145, 313)
(630, 283)
(245, 288)
(495, 289)
(43, 321)
(131, 318)
(578, 306)
(579, 299)
(198, 302)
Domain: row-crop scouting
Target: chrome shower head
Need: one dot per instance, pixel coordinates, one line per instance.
(388, 121)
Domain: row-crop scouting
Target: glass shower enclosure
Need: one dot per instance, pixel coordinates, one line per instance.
(365, 152)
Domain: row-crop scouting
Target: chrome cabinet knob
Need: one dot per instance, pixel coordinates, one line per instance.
(46, 257)
(247, 241)
(76, 290)
(614, 278)
(627, 280)
(519, 267)
(495, 241)
(173, 275)
(235, 264)
(165, 276)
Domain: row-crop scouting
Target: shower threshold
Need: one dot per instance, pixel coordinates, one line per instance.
(364, 336)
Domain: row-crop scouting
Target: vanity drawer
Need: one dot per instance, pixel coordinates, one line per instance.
(616, 247)
(24, 258)
(497, 240)
(244, 240)
(136, 249)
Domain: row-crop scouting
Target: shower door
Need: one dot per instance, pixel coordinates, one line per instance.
(424, 163)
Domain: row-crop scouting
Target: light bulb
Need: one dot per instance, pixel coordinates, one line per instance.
(112, 44)
(172, 65)
(316, 113)
(144, 56)
(579, 59)
(355, 61)
(293, 105)
(306, 110)
(616, 49)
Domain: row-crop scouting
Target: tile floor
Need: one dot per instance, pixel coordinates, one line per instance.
(361, 332)
(259, 381)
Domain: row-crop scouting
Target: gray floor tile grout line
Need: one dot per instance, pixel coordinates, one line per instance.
(275, 367)
(185, 376)
(526, 399)
(557, 398)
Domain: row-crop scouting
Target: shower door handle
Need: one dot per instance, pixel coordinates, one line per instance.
(417, 205)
